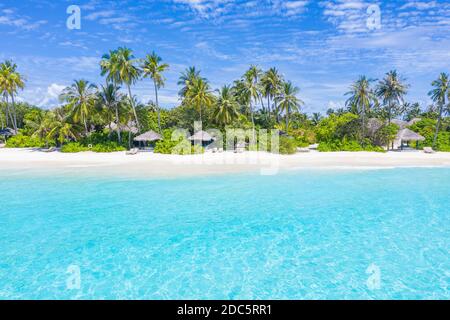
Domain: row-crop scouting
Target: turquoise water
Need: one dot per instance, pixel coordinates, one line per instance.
(301, 235)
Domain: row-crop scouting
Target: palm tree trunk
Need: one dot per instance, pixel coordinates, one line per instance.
(157, 106)
(134, 109)
(8, 113)
(287, 120)
(118, 123)
(253, 122)
(438, 125)
(14, 111)
(363, 114)
(85, 126)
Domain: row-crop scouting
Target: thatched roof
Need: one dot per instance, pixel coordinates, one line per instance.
(201, 136)
(130, 126)
(408, 135)
(7, 132)
(148, 136)
(414, 121)
(402, 124)
(373, 125)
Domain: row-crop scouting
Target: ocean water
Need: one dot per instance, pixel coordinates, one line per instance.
(376, 234)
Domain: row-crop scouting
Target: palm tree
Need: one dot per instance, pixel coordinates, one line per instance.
(199, 95)
(153, 68)
(110, 98)
(255, 74)
(60, 129)
(362, 97)
(440, 92)
(391, 90)
(271, 83)
(226, 106)
(10, 82)
(316, 117)
(80, 96)
(121, 68)
(186, 80)
(248, 90)
(288, 101)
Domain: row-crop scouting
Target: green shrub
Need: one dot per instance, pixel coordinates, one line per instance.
(22, 141)
(107, 147)
(182, 146)
(73, 147)
(427, 128)
(286, 145)
(345, 145)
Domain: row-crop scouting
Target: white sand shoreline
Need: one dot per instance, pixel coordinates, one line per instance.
(158, 165)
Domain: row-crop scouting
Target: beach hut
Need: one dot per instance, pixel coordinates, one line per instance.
(202, 137)
(7, 133)
(147, 138)
(404, 136)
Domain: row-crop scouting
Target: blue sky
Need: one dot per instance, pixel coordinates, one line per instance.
(321, 46)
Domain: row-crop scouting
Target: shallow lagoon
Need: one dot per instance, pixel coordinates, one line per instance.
(296, 235)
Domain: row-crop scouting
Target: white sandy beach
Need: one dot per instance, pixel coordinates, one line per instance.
(149, 164)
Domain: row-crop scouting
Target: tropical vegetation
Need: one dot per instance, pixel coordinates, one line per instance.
(105, 117)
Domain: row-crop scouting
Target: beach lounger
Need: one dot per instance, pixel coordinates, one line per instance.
(132, 152)
(51, 149)
(428, 150)
(303, 150)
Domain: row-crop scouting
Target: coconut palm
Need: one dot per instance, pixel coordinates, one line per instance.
(271, 83)
(362, 97)
(60, 129)
(10, 82)
(288, 100)
(153, 68)
(81, 97)
(186, 79)
(110, 97)
(392, 90)
(226, 106)
(439, 94)
(316, 117)
(120, 66)
(199, 95)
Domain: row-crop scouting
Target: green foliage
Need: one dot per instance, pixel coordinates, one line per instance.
(426, 127)
(73, 147)
(111, 146)
(347, 145)
(338, 127)
(287, 145)
(22, 141)
(386, 134)
(181, 146)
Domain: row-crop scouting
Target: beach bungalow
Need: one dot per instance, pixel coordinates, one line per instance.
(6, 133)
(202, 137)
(405, 136)
(146, 139)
